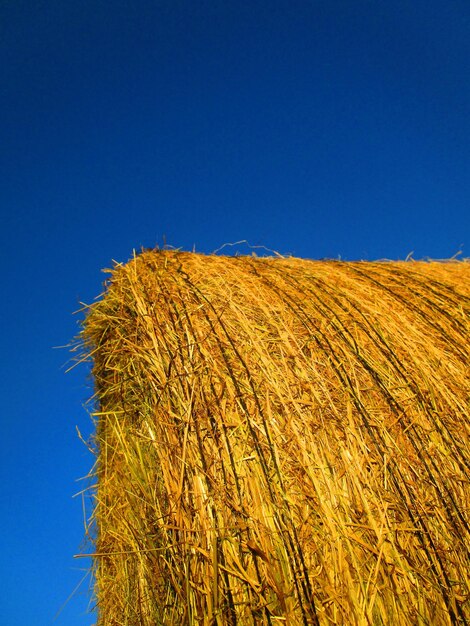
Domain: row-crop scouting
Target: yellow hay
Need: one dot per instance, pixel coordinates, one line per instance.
(281, 442)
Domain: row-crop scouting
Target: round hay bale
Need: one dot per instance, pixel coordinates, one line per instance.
(281, 441)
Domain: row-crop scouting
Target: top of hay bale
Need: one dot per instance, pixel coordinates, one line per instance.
(282, 441)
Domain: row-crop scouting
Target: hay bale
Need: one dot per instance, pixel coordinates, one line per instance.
(281, 442)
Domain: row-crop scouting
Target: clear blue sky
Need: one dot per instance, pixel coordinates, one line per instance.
(318, 128)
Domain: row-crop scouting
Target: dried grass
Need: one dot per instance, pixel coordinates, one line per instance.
(281, 442)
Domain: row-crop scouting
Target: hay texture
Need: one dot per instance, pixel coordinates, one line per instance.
(281, 442)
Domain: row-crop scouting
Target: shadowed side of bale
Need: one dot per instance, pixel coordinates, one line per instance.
(281, 441)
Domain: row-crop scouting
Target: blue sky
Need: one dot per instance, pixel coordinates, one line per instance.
(318, 128)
